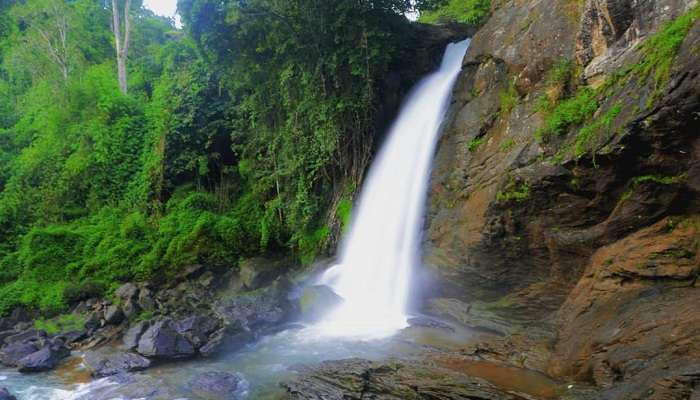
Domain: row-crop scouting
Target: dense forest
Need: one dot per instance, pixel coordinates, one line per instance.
(128, 153)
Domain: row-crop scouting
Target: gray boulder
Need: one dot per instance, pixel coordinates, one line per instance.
(127, 291)
(104, 363)
(259, 271)
(130, 308)
(197, 329)
(13, 352)
(46, 359)
(133, 335)
(161, 340)
(146, 301)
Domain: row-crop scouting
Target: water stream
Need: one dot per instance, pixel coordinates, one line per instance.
(373, 277)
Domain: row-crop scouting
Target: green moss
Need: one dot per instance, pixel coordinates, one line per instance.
(658, 179)
(660, 50)
(507, 144)
(569, 112)
(509, 98)
(475, 143)
(591, 131)
(561, 73)
(472, 12)
(310, 244)
(518, 194)
(344, 212)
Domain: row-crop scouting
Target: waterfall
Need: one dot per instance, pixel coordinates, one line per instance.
(382, 245)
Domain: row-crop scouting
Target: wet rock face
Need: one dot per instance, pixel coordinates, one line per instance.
(632, 319)
(611, 28)
(591, 257)
(389, 380)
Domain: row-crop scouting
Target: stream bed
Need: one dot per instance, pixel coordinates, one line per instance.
(262, 366)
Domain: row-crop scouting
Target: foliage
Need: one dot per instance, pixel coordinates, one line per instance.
(472, 12)
(234, 138)
(507, 144)
(656, 179)
(592, 130)
(475, 143)
(569, 112)
(509, 98)
(517, 193)
(61, 324)
(659, 51)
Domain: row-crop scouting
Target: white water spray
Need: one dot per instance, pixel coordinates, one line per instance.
(382, 247)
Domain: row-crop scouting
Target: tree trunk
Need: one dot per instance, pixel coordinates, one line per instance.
(121, 42)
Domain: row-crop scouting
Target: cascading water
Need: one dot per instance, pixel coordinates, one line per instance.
(381, 248)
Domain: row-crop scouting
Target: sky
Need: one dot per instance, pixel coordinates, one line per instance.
(166, 8)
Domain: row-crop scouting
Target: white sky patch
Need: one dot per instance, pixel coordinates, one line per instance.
(166, 8)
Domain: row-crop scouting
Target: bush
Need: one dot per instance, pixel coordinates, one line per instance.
(77, 292)
(465, 11)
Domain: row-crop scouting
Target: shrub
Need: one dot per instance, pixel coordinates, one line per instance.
(77, 292)
(465, 11)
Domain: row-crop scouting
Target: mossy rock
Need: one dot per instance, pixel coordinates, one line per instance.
(316, 301)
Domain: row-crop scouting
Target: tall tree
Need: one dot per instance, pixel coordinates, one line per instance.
(47, 32)
(121, 40)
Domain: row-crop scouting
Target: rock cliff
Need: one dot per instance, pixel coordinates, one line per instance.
(564, 207)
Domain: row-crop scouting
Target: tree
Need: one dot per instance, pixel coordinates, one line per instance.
(121, 40)
(48, 32)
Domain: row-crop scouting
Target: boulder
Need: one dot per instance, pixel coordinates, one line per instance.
(161, 340)
(316, 301)
(114, 315)
(5, 395)
(133, 335)
(93, 320)
(130, 309)
(196, 328)
(216, 385)
(13, 352)
(228, 338)
(46, 359)
(259, 309)
(260, 271)
(146, 301)
(108, 362)
(127, 291)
